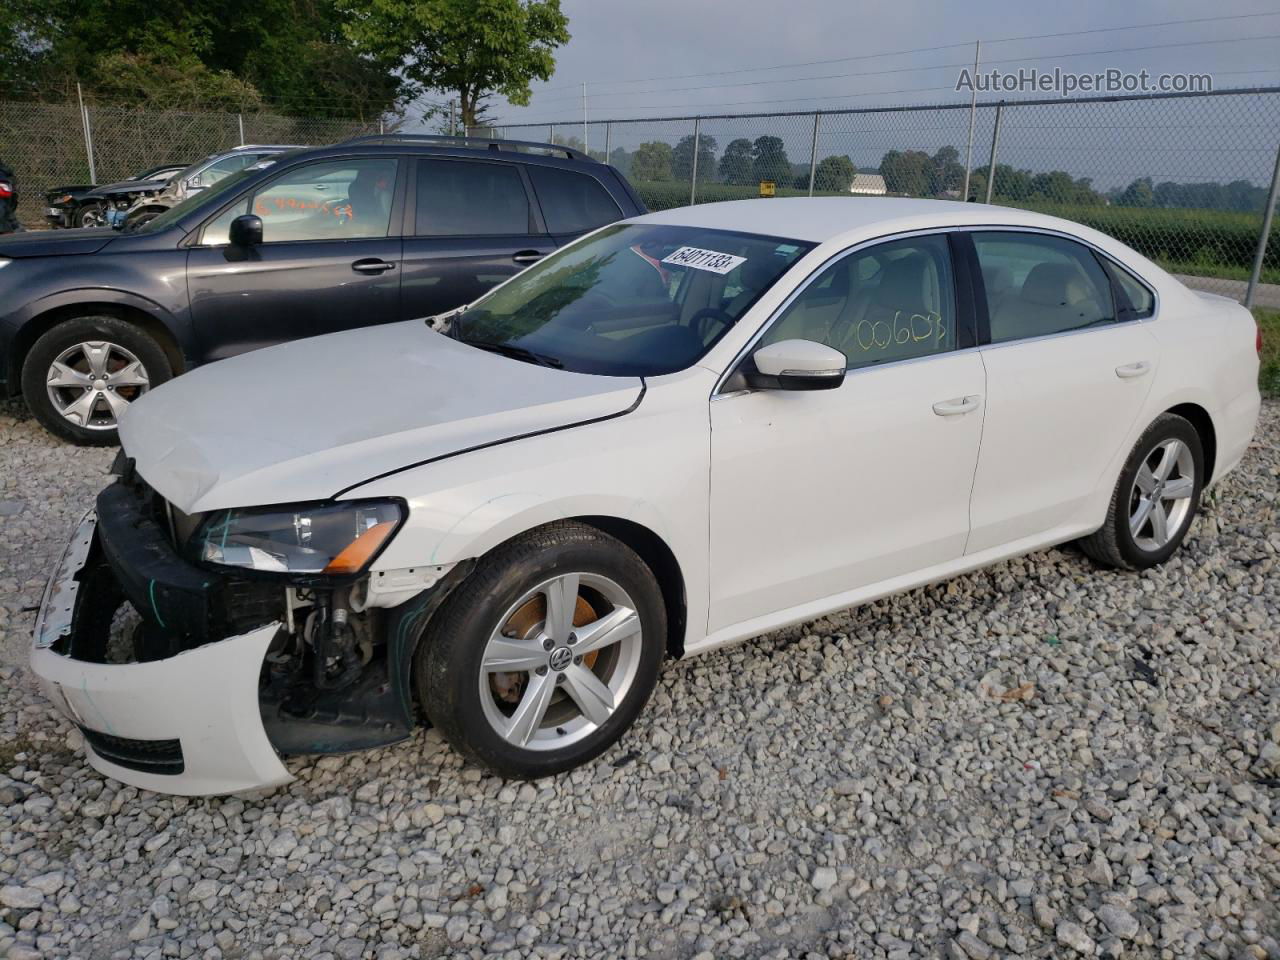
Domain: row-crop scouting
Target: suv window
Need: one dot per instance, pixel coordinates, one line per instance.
(892, 301)
(572, 202)
(1039, 285)
(220, 169)
(461, 198)
(329, 200)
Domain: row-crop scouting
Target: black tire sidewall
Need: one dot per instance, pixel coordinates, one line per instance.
(449, 668)
(1166, 428)
(80, 214)
(44, 351)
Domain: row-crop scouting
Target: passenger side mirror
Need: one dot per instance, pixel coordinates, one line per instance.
(797, 365)
(245, 231)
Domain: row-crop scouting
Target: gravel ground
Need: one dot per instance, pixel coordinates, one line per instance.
(1042, 759)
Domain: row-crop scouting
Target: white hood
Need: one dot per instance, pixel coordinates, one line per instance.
(308, 419)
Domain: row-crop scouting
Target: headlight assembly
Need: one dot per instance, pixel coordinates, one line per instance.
(327, 539)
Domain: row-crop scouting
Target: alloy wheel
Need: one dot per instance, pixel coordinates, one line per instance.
(1160, 499)
(91, 384)
(562, 659)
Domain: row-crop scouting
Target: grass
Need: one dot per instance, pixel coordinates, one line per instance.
(1269, 375)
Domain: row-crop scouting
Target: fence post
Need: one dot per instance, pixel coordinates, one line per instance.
(991, 164)
(382, 126)
(973, 110)
(608, 132)
(240, 124)
(693, 179)
(551, 133)
(88, 135)
(813, 152)
(1261, 252)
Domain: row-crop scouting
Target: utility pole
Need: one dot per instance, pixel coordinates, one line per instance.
(584, 116)
(973, 110)
(452, 127)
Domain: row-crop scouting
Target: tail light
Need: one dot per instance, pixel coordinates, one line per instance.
(6, 189)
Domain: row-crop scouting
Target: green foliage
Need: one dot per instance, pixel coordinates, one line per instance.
(1269, 373)
(474, 48)
(769, 160)
(667, 194)
(1238, 195)
(1023, 187)
(652, 161)
(139, 79)
(682, 158)
(735, 163)
(833, 174)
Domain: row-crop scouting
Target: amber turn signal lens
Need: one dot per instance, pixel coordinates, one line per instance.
(359, 551)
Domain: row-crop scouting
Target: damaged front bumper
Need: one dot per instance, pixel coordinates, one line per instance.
(217, 681)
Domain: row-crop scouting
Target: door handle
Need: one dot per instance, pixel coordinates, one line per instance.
(527, 256)
(372, 265)
(956, 406)
(1127, 371)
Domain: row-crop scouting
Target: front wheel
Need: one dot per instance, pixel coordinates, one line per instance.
(1154, 500)
(546, 654)
(91, 215)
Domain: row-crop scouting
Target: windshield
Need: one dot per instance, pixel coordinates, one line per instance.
(181, 209)
(632, 300)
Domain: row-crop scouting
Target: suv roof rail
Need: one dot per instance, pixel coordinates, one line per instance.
(469, 142)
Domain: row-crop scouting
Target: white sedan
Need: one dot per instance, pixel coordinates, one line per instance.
(679, 432)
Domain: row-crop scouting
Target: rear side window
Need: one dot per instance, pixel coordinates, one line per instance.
(572, 202)
(1137, 302)
(1039, 285)
(461, 198)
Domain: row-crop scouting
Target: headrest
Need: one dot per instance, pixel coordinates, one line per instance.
(905, 282)
(1055, 285)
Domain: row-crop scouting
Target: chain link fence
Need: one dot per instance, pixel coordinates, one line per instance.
(1185, 179)
(54, 144)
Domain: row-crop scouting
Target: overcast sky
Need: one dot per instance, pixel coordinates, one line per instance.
(616, 41)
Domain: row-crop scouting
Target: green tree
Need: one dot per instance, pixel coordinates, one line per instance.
(682, 159)
(620, 157)
(470, 48)
(735, 162)
(769, 160)
(834, 174)
(906, 172)
(945, 171)
(1140, 193)
(652, 161)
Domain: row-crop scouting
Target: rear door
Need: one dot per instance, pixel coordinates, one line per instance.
(470, 224)
(329, 260)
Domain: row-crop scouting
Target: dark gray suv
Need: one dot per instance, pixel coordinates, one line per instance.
(369, 231)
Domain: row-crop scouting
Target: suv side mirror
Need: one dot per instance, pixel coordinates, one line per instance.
(797, 365)
(245, 230)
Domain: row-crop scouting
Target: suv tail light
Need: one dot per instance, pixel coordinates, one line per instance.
(6, 189)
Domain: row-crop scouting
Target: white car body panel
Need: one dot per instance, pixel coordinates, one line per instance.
(777, 507)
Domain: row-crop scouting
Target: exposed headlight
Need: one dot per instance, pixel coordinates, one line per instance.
(331, 539)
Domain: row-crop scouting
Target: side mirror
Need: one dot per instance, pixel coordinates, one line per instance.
(797, 365)
(245, 231)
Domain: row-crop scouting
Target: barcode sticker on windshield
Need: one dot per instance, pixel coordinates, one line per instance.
(703, 259)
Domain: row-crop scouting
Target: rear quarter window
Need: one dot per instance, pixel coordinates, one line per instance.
(572, 202)
(1135, 300)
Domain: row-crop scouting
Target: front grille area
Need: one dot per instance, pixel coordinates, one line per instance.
(162, 757)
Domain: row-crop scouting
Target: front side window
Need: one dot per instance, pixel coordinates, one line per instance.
(893, 301)
(463, 198)
(331, 200)
(572, 202)
(1039, 285)
(631, 300)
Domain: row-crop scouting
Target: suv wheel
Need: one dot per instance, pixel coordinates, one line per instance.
(91, 215)
(81, 376)
(546, 654)
(1155, 499)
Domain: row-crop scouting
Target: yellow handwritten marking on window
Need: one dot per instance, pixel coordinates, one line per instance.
(870, 335)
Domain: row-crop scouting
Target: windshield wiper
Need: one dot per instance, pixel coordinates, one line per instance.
(518, 353)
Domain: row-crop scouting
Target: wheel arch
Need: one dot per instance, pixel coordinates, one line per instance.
(1200, 419)
(44, 321)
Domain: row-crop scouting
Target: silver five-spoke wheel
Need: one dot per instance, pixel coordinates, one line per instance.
(560, 661)
(92, 383)
(1161, 496)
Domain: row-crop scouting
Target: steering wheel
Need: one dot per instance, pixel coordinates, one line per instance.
(702, 320)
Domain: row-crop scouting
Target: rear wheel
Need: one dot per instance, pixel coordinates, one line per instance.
(544, 657)
(1154, 500)
(81, 376)
(91, 215)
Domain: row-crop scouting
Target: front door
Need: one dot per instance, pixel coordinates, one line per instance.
(329, 259)
(471, 226)
(814, 494)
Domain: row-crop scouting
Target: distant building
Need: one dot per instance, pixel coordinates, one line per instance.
(868, 185)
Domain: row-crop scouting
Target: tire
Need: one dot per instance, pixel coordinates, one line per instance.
(513, 587)
(87, 346)
(90, 215)
(1116, 543)
(142, 217)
